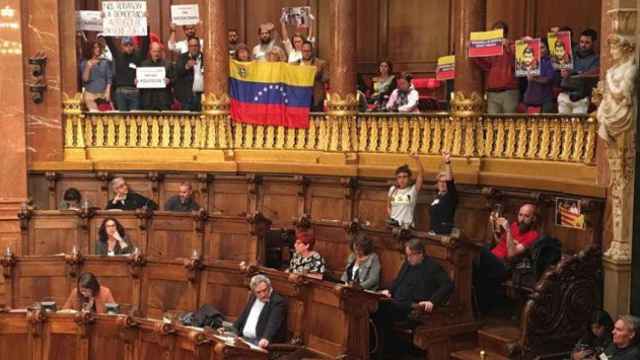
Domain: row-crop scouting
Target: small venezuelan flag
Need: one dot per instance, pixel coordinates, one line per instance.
(275, 93)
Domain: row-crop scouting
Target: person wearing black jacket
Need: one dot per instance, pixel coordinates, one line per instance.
(189, 83)
(263, 319)
(126, 60)
(157, 99)
(421, 281)
(443, 206)
(626, 332)
(127, 200)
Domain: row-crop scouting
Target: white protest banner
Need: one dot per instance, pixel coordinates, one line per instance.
(151, 77)
(88, 20)
(124, 18)
(299, 16)
(185, 14)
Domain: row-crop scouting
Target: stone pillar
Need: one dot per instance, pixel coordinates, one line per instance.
(13, 179)
(342, 98)
(215, 100)
(470, 16)
(617, 121)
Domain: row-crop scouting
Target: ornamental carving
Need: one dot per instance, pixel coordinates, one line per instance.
(467, 106)
(216, 104)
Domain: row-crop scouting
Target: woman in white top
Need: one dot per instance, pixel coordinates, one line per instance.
(403, 195)
(293, 46)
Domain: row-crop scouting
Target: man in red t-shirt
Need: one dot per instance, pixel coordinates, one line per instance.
(490, 268)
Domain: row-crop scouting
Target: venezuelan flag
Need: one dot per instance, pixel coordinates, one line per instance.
(275, 93)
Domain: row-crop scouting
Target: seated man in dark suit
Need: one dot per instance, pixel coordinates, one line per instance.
(127, 200)
(263, 319)
(421, 281)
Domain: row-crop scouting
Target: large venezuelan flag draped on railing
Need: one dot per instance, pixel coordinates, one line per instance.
(275, 93)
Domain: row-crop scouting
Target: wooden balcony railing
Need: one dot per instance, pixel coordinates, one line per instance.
(551, 137)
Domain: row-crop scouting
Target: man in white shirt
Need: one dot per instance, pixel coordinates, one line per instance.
(267, 42)
(263, 319)
(181, 46)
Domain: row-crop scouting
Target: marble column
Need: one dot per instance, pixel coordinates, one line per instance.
(215, 100)
(13, 176)
(470, 16)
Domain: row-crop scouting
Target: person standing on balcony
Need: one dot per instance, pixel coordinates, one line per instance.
(443, 206)
(322, 75)
(189, 83)
(234, 41)
(127, 59)
(578, 83)
(383, 85)
(403, 195)
(267, 42)
(405, 98)
(293, 46)
(539, 93)
(502, 85)
(157, 99)
(96, 76)
(182, 46)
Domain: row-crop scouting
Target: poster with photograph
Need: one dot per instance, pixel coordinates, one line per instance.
(569, 213)
(486, 43)
(124, 18)
(299, 16)
(446, 69)
(527, 57)
(560, 50)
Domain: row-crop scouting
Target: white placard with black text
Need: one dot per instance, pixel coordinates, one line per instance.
(151, 77)
(185, 14)
(124, 18)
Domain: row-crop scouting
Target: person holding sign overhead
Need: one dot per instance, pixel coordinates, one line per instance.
(155, 93)
(126, 60)
(294, 46)
(502, 86)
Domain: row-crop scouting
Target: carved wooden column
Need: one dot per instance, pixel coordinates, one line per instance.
(470, 16)
(341, 100)
(13, 178)
(216, 102)
(617, 120)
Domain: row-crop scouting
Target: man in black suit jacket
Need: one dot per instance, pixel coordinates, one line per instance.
(420, 281)
(263, 319)
(189, 83)
(128, 200)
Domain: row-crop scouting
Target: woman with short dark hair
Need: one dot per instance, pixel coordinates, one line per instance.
(89, 295)
(363, 265)
(71, 200)
(112, 239)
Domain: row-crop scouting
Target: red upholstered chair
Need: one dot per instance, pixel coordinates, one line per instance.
(427, 88)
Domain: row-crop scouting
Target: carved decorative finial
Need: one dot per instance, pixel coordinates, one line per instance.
(467, 106)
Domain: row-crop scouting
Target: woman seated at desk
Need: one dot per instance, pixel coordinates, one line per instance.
(89, 295)
(112, 239)
(306, 261)
(363, 265)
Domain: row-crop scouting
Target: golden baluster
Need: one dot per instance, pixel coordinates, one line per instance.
(122, 132)
(510, 128)
(436, 145)
(577, 127)
(395, 134)
(534, 137)
(489, 139)
(334, 134)
(323, 134)
(353, 138)
(384, 134)
(291, 139)
(111, 132)
(415, 134)
(448, 127)
(456, 148)
(556, 137)
(567, 139)
(499, 150)
(237, 133)
(69, 140)
(224, 136)
(165, 139)
(280, 137)
(249, 136)
(259, 144)
(362, 133)
(425, 125)
(89, 129)
(100, 132)
(374, 135)
(271, 137)
(346, 133)
(590, 146)
(211, 135)
(404, 135)
(176, 131)
(313, 133)
(155, 131)
(469, 136)
(545, 140)
(132, 132)
(521, 138)
(144, 131)
(197, 132)
(187, 135)
(301, 137)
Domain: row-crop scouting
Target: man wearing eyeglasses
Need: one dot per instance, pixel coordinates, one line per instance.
(420, 281)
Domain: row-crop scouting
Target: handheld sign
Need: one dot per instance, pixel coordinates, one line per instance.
(446, 69)
(124, 18)
(185, 14)
(299, 16)
(528, 57)
(89, 20)
(486, 43)
(151, 77)
(560, 50)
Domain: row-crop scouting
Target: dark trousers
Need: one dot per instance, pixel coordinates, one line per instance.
(390, 312)
(193, 103)
(489, 272)
(127, 99)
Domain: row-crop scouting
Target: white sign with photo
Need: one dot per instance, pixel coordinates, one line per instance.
(151, 77)
(88, 20)
(185, 14)
(124, 18)
(299, 16)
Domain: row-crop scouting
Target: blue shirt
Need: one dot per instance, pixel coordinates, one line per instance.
(99, 77)
(584, 64)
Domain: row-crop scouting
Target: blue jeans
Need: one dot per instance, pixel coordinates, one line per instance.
(127, 99)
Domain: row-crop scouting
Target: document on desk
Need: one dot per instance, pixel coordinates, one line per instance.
(252, 346)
